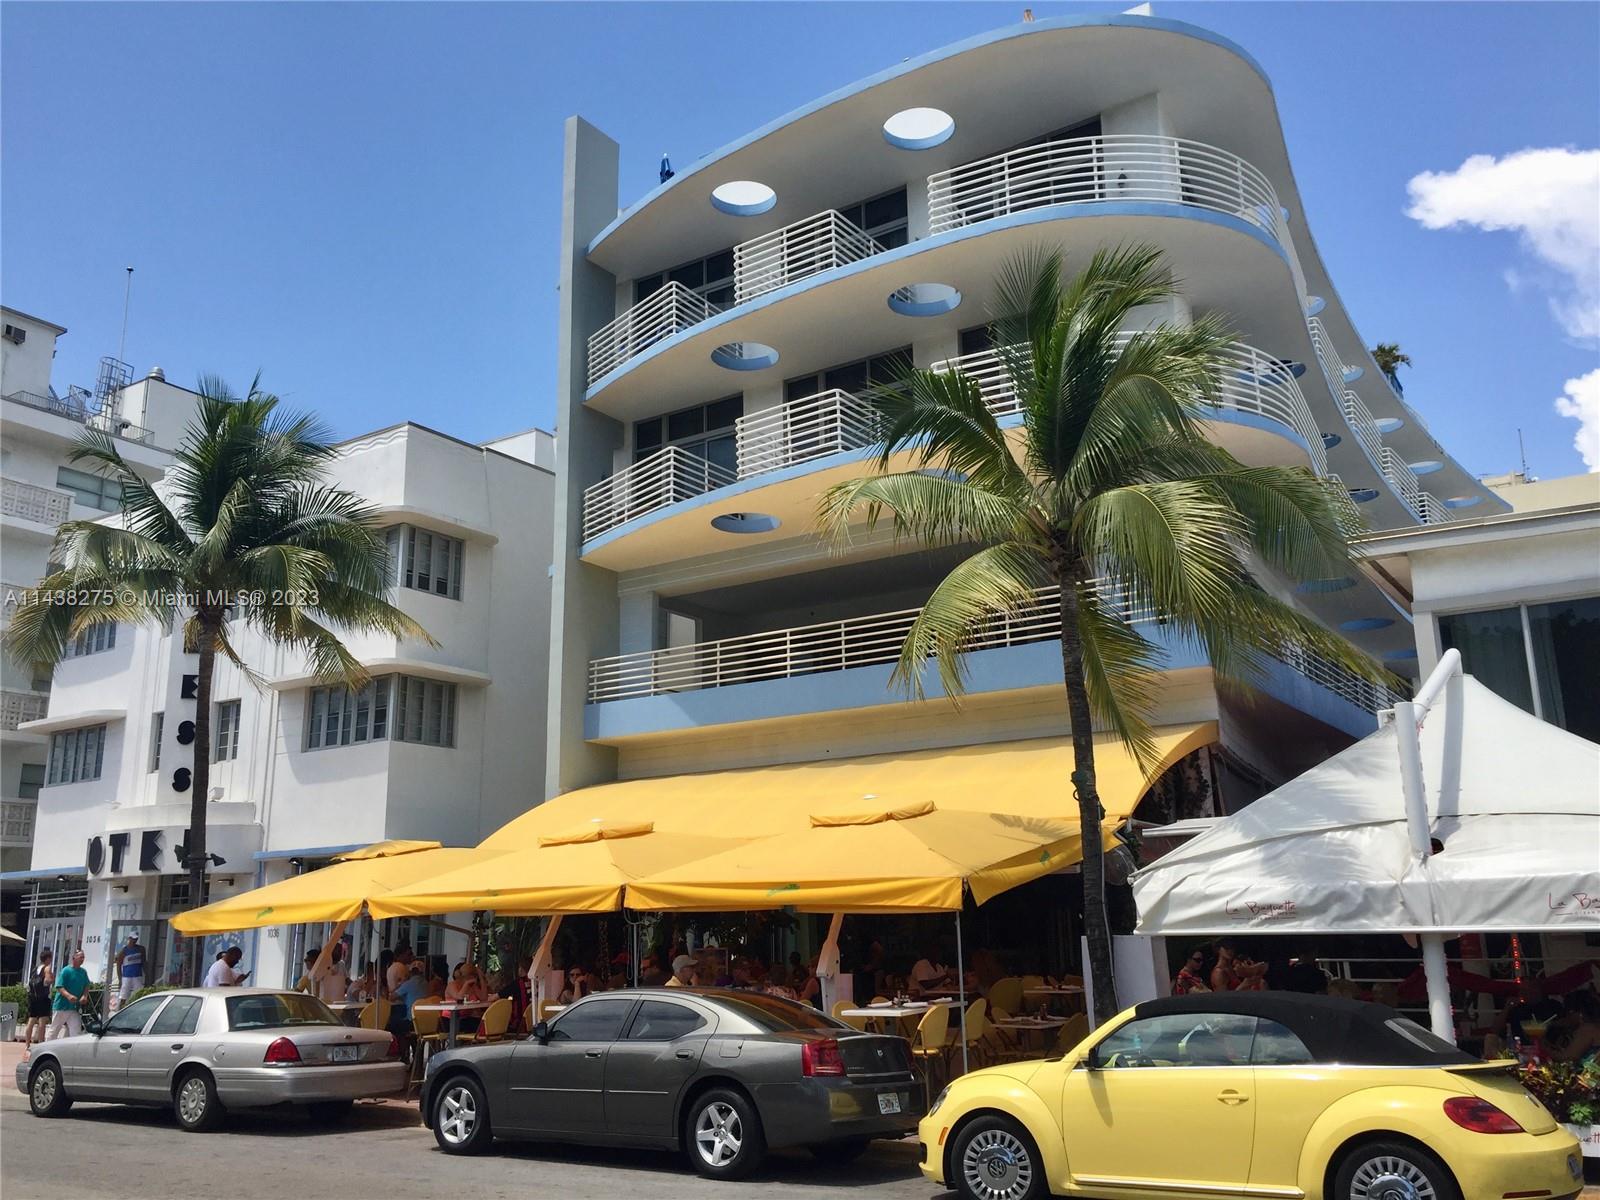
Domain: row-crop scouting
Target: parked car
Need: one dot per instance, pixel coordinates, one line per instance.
(207, 1050)
(721, 1074)
(1264, 1093)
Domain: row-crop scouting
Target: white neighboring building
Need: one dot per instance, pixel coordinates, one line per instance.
(39, 489)
(437, 748)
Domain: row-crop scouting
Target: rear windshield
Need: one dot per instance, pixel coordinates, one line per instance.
(1425, 1039)
(277, 1011)
(774, 1014)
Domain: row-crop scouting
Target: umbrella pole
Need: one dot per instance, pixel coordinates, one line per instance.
(541, 959)
(1434, 970)
(828, 964)
(961, 993)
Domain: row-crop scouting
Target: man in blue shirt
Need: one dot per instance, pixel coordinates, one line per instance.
(130, 966)
(72, 985)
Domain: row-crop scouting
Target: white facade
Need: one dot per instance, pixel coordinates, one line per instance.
(280, 799)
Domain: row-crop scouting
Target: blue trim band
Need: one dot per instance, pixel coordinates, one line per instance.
(306, 852)
(42, 873)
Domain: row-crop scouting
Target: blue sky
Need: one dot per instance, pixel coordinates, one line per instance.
(364, 200)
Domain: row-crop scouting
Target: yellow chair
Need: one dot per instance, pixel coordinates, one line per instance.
(429, 1037)
(1073, 1032)
(858, 1023)
(376, 1014)
(1007, 994)
(1032, 981)
(492, 1028)
(929, 1045)
(544, 1010)
(978, 1029)
(1003, 1043)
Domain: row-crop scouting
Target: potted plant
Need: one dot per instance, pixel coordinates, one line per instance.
(1572, 1094)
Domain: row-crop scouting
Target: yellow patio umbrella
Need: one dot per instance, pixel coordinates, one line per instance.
(915, 857)
(581, 869)
(332, 893)
(386, 849)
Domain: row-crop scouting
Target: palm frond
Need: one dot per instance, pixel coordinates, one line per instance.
(1120, 668)
(934, 509)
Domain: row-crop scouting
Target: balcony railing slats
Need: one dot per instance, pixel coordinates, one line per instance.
(875, 641)
(806, 429)
(1128, 167)
(16, 822)
(30, 502)
(663, 478)
(669, 310)
(784, 256)
(75, 407)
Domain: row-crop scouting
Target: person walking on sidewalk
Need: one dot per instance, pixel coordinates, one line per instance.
(130, 968)
(41, 985)
(72, 985)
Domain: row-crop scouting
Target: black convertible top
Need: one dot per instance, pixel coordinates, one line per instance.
(1334, 1029)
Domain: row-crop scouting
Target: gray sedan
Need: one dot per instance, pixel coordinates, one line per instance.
(720, 1074)
(207, 1050)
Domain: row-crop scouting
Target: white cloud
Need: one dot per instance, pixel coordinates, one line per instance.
(1582, 404)
(1551, 199)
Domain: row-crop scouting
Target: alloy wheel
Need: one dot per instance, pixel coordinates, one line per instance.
(718, 1134)
(192, 1100)
(997, 1166)
(1386, 1177)
(44, 1090)
(458, 1115)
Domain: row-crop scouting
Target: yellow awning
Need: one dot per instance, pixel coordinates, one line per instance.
(913, 858)
(332, 893)
(386, 849)
(1029, 778)
(581, 869)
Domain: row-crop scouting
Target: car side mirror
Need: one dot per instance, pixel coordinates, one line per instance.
(1091, 1061)
(91, 1024)
(541, 1033)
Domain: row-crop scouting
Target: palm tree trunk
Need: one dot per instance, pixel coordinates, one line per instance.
(1096, 925)
(200, 785)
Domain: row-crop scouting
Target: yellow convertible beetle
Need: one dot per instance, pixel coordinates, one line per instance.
(1254, 1094)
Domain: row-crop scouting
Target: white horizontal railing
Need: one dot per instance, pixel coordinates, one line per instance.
(1426, 507)
(665, 477)
(1359, 417)
(1137, 167)
(1363, 693)
(1334, 369)
(1252, 382)
(75, 407)
(16, 822)
(31, 502)
(818, 243)
(17, 707)
(806, 429)
(871, 641)
(669, 310)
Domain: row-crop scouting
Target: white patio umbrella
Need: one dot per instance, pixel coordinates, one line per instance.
(1486, 818)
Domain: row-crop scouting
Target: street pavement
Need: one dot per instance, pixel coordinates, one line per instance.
(110, 1152)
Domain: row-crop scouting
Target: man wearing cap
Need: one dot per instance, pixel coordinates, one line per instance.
(130, 967)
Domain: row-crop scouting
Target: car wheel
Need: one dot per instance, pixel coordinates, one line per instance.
(46, 1095)
(330, 1112)
(723, 1135)
(840, 1153)
(195, 1103)
(1392, 1171)
(461, 1117)
(995, 1159)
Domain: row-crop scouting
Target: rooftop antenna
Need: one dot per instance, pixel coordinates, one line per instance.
(127, 295)
(1522, 453)
(666, 168)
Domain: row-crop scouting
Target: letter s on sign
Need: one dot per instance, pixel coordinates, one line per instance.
(185, 733)
(181, 779)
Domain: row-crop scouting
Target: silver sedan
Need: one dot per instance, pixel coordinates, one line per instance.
(206, 1050)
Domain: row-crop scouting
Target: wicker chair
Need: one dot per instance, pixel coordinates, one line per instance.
(928, 1046)
(376, 1014)
(854, 1022)
(492, 1028)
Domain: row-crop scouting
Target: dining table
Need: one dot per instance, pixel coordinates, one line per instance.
(1059, 993)
(878, 1013)
(348, 1011)
(453, 1009)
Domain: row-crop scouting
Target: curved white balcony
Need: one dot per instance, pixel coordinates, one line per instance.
(661, 314)
(875, 640)
(1112, 167)
(1254, 383)
(17, 708)
(30, 502)
(795, 252)
(804, 430)
(663, 478)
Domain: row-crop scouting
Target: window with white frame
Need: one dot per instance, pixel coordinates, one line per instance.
(91, 491)
(225, 732)
(92, 640)
(403, 708)
(76, 754)
(425, 560)
(157, 722)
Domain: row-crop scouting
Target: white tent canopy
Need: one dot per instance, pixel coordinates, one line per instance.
(1330, 852)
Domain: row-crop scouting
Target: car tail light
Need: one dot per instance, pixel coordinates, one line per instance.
(1480, 1116)
(821, 1058)
(282, 1051)
(394, 1046)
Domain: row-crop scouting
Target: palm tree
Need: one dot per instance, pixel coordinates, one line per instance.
(1390, 358)
(1110, 496)
(241, 533)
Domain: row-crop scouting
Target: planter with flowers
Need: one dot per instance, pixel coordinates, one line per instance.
(1572, 1094)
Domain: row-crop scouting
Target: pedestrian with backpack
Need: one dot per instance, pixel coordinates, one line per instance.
(40, 985)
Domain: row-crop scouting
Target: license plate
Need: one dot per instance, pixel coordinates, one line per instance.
(888, 1102)
(345, 1054)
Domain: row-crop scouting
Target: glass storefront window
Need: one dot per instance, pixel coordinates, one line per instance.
(1566, 662)
(1492, 650)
